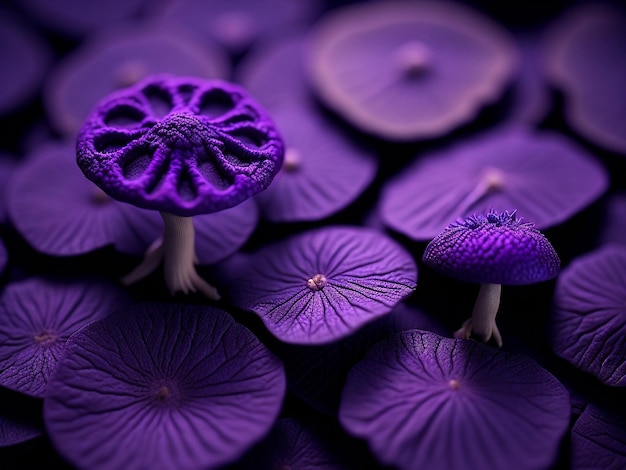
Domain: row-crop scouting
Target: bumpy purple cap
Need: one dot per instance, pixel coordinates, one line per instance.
(588, 322)
(181, 145)
(423, 401)
(497, 248)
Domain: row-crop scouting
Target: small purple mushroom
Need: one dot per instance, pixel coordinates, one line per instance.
(491, 249)
(162, 386)
(424, 401)
(322, 285)
(182, 146)
(588, 322)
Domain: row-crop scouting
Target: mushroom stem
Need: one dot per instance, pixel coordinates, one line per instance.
(177, 251)
(483, 321)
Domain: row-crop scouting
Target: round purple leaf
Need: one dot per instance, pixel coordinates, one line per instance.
(162, 386)
(322, 285)
(180, 145)
(423, 401)
(493, 249)
(543, 175)
(323, 172)
(24, 58)
(409, 70)
(586, 60)
(589, 315)
(273, 73)
(118, 57)
(598, 440)
(36, 318)
(61, 213)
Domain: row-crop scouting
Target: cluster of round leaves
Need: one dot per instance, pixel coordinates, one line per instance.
(180, 145)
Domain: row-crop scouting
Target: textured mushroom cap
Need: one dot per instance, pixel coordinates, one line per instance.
(162, 386)
(20, 418)
(598, 439)
(588, 322)
(322, 285)
(181, 145)
(37, 316)
(585, 58)
(409, 70)
(424, 401)
(546, 176)
(494, 249)
(120, 56)
(24, 58)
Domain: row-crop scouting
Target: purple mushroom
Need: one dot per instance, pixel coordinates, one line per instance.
(236, 24)
(36, 318)
(585, 58)
(424, 401)
(547, 177)
(61, 213)
(324, 284)
(491, 249)
(120, 56)
(24, 58)
(162, 386)
(588, 323)
(183, 146)
(409, 70)
(598, 439)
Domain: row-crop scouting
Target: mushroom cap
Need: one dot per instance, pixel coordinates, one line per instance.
(181, 145)
(319, 286)
(425, 401)
(585, 58)
(162, 386)
(588, 321)
(409, 70)
(496, 248)
(120, 56)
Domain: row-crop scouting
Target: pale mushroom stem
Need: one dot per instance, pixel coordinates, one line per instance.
(483, 321)
(177, 251)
